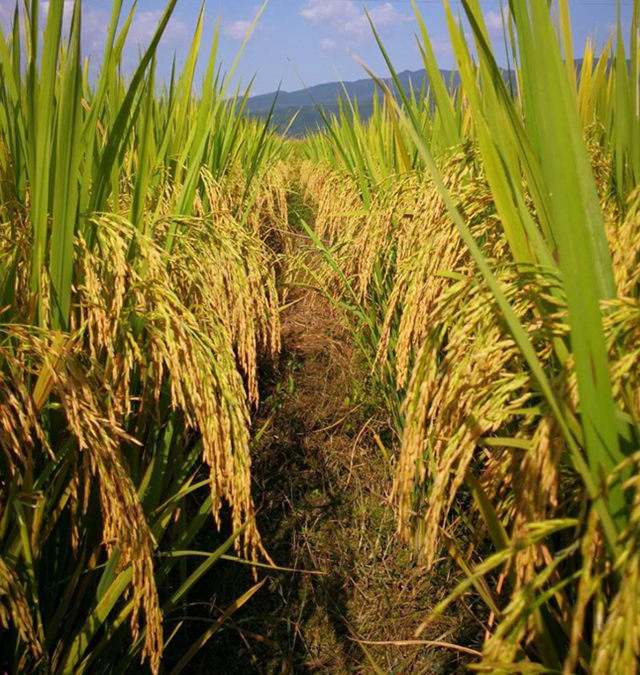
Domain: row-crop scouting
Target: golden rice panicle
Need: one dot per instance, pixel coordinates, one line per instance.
(536, 482)
(611, 626)
(195, 351)
(617, 634)
(622, 315)
(336, 196)
(466, 384)
(462, 370)
(268, 218)
(359, 237)
(622, 326)
(624, 242)
(227, 271)
(223, 271)
(19, 424)
(15, 610)
(428, 250)
(591, 548)
(125, 527)
(369, 247)
(313, 178)
(92, 425)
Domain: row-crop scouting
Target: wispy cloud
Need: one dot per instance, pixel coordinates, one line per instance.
(442, 46)
(347, 19)
(68, 8)
(95, 21)
(494, 22)
(238, 29)
(145, 23)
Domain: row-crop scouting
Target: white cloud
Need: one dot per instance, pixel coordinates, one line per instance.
(442, 46)
(67, 13)
(329, 11)
(347, 18)
(68, 8)
(144, 26)
(387, 14)
(494, 22)
(328, 44)
(237, 29)
(95, 22)
(94, 32)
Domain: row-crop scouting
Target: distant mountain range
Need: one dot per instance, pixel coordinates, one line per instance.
(305, 101)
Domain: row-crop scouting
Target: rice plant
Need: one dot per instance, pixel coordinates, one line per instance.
(480, 239)
(510, 235)
(137, 295)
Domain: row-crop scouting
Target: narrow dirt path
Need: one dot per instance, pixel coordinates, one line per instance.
(322, 485)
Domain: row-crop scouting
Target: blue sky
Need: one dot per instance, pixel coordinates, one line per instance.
(311, 41)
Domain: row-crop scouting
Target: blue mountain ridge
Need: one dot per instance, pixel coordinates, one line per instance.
(305, 102)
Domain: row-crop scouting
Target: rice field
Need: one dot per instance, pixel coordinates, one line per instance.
(467, 264)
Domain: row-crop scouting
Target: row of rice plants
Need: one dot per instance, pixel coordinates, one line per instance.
(496, 228)
(137, 294)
